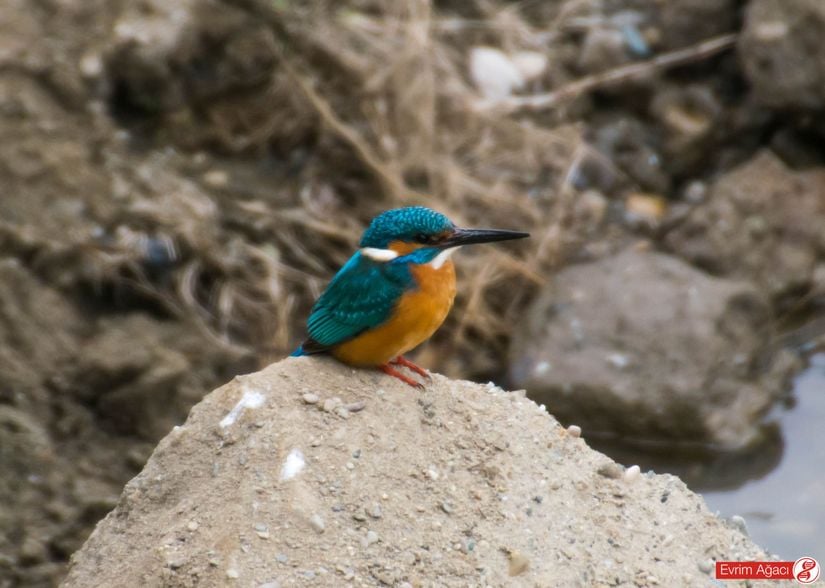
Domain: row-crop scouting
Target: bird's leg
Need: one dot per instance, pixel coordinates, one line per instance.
(391, 371)
(401, 360)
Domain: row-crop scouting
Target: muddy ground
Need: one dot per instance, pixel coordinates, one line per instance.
(178, 181)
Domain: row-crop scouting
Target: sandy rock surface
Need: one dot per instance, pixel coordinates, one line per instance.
(311, 474)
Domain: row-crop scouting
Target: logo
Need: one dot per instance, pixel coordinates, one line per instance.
(806, 570)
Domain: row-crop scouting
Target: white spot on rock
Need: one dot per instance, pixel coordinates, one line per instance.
(250, 399)
(293, 464)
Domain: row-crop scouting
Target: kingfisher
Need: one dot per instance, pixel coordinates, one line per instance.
(394, 292)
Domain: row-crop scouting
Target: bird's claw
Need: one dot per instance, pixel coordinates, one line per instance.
(391, 371)
(402, 361)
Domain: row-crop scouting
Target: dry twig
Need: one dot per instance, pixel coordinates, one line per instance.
(593, 82)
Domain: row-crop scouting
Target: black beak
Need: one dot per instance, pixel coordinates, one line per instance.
(470, 236)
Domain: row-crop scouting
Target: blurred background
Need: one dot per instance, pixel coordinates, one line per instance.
(179, 180)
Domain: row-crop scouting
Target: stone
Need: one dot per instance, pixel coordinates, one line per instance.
(782, 53)
(687, 344)
(763, 222)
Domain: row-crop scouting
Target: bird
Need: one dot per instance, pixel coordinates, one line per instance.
(394, 292)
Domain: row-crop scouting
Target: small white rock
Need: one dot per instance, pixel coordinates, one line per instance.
(494, 73)
(91, 65)
(372, 537)
(632, 473)
(574, 431)
(317, 523)
(216, 178)
(310, 398)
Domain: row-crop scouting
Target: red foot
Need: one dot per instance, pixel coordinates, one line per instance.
(401, 360)
(387, 369)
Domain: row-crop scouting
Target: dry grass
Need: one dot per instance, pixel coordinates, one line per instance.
(380, 95)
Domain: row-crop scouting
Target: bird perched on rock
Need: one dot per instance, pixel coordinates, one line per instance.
(394, 292)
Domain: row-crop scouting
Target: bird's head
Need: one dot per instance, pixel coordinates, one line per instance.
(422, 234)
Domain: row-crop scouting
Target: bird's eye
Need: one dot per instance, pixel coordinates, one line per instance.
(424, 238)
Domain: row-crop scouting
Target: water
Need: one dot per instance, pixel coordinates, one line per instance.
(778, 487)
(785, 508)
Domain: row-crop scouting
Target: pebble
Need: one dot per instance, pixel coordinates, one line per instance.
(518, 562)
(232, 574)
(447, 507)
(342, 412)
(272, 584)
(91, 65)
(706, 566)
(317, 523)
(355, 406)
(574, 431)
(331, 404)
(372, 537)
(611, 470)
(216, 178)
(310, 398)
(738, 522)
(262, 531)
(192, 526)
(632, 473)
(359, 516)
(375, 511)
(281, 558)
(350, 465)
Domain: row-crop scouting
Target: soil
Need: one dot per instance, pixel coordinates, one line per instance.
(180, 180)
(311, 474)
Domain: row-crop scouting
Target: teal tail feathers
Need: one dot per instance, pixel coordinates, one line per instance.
(298, 352)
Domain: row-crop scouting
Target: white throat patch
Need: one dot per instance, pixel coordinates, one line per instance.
(377, 254)
(442, 257)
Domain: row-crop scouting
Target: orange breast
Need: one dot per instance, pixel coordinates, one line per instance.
(416, 317)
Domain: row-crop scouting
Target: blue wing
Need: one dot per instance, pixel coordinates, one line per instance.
(361, 296)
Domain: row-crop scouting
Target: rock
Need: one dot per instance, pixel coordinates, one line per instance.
(692, 118)
(519, 563)
(632, 473)
(494, 73)
(782, 54)
(611, 470)
(761, 221)
(317, 523)
(643, 345)
(633, 147)
(555, 545)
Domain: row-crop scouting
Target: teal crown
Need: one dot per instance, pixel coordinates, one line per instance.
(404, 224)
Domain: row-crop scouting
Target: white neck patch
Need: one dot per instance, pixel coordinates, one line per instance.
(442, 258)
(377, 254)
